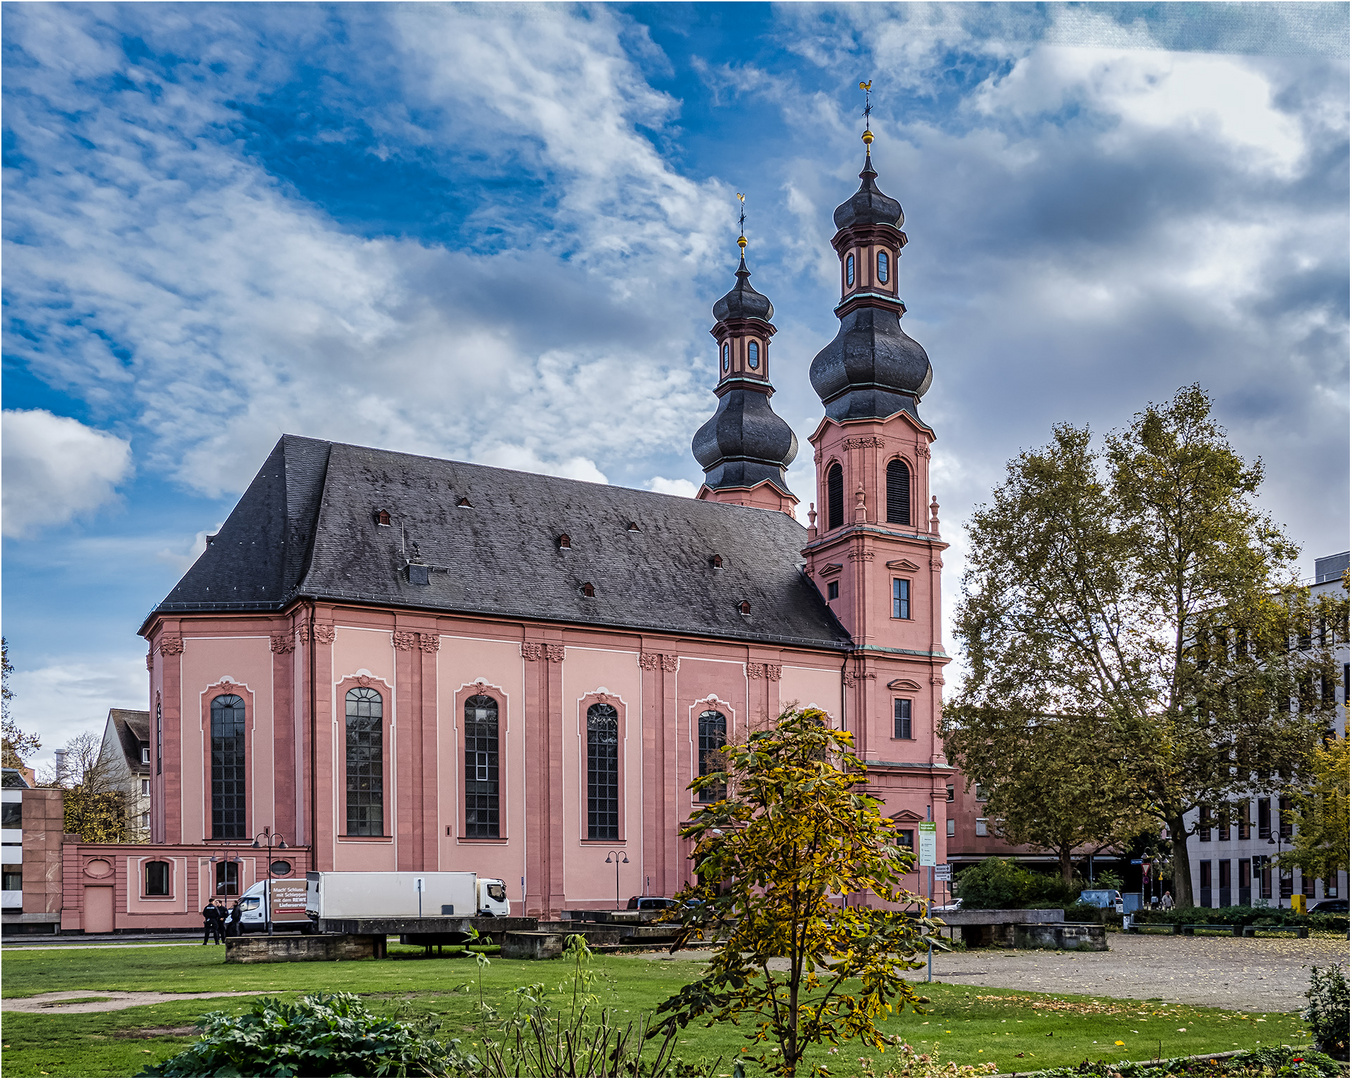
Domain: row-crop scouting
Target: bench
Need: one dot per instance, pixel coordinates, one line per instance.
(1139, 928)
(1299, 931)
(1190, 928)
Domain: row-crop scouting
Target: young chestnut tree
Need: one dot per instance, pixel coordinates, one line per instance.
(1139, 591)
(795, 833)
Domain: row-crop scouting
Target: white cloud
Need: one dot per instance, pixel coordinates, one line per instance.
(55, 468)
(1227, 99)
(678, 486)
(71, 695)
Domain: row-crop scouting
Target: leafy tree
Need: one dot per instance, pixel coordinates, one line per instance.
(1320, 813)
(15, 744)
(94, 807)
(1138, 590)
(1080, 802)
(795, 832)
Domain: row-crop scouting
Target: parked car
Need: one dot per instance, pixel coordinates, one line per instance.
(650, 903)
(952, 906)
(1329, 907)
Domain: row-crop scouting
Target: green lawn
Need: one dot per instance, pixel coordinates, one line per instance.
(1017, 1031)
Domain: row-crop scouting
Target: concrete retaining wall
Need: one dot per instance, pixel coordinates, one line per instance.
(518, 945)
(280, 950)
(1070, 937)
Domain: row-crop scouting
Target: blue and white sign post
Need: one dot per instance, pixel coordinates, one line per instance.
(929, 852)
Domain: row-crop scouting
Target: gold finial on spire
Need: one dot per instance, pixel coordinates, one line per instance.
(741, 223)
(867, 87)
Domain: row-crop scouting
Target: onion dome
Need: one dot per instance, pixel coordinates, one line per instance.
(868, 205)
(744, 443)
(872, 369)
(743, 302)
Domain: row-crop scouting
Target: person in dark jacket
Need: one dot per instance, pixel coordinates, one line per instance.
(211, 921)
(235, 913)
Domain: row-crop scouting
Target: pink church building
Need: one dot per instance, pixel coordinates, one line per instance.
(407, 663)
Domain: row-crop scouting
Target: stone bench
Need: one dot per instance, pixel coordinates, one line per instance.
(1299, 931)
(1190, 928)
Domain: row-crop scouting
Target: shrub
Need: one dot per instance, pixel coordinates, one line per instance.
(1327, 1012)
(1000, 883)
(319, 1035)
(1083, 913)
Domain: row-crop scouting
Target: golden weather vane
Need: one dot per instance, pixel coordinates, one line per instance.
(867, 87)
(741, 222)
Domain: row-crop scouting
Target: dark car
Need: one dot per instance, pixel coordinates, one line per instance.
(1329, 907)
(650, 903)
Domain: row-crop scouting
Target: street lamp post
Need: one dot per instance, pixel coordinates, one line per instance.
(268, 837)
(619, 857)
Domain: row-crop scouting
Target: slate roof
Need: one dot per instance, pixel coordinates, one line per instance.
(306, 529)
(133, 729)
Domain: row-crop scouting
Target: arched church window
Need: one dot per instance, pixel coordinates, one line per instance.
(365, 762)
(227, 768)
(481, 766)
(898, 492)
(835, 497)
(726, 360)
(713, 736)
(753, 355)
(849, 271)
(603, 773)
(882, 267)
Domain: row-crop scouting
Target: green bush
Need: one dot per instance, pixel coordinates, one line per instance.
(1003, 883)
(1265, 1061)
(1244, 916)
(1083, 913)
(319, 1035)
(1327, 1012)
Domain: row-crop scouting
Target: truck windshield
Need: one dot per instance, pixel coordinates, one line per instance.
(497, 891)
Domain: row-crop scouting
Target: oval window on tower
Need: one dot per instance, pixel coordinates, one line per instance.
(725, 356)
(882, 267)
(849, 271)
(753, 355)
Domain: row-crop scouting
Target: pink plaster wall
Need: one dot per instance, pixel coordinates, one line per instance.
(207, 661)
(811, 686)
(586, 877)
(462, 662)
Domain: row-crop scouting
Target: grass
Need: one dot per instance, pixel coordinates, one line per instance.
(1018, 1031)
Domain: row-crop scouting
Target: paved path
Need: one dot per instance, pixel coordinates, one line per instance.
(1254, 974)
(69, 1001)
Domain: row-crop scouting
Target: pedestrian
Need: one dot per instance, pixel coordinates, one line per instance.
(211, 922)
(1167, 901)
(235, 913)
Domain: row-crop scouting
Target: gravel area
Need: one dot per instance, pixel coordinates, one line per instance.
(1253, 974)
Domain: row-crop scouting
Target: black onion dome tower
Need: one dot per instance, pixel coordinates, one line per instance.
(745, 447)
(872, 369)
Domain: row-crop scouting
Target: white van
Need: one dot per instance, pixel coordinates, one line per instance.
(288, 908)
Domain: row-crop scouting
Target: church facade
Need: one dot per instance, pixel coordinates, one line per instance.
(407, 663)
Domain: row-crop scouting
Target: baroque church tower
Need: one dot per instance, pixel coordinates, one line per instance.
(745, 447)
(874, 548)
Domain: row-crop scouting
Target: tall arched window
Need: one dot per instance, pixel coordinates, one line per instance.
(603, 773)
(849, 271)
(898, 492)
(753, 355)
(228, 820)
(726, 354)
(481, 766)
(713, 736)
(882, 268)
(365, 763)
(835, 497)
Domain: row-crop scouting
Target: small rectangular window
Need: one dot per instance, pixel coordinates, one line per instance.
(1286, 879)
(981, 829)
(1242, 818)
(227, 879)
(145, 753)
(901, 598)
(1204, 831)
(11, 815)
(11, 877)
(906, 839)
(980, 793)
(1264, 819)
(948, 792)
(145, 787)
(901, 718)
(832, 590)
(952, 826)
(1284, 818)
(157, 878)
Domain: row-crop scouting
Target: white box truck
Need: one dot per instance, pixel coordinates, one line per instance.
(360, 894)
(288, 897)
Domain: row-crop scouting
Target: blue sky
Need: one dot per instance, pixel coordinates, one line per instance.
(494, 233)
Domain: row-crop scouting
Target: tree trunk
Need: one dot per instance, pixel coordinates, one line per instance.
(1067, 867)
(1182, 869)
